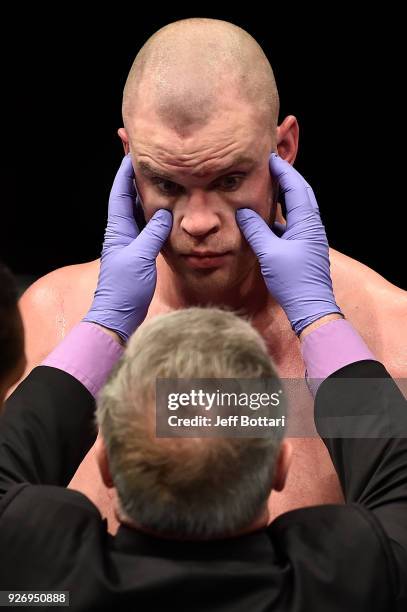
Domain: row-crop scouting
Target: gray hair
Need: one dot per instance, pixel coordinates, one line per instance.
(187, 487)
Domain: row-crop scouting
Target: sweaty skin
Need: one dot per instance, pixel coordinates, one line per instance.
(378, 310)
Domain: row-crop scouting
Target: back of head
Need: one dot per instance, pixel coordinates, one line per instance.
(186, 487)
(188, 67)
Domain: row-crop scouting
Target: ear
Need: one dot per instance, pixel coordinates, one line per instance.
(287, 139)
(125, 139)
(282, 465)
(103, 461)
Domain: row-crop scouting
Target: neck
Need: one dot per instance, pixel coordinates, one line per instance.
(261, 522)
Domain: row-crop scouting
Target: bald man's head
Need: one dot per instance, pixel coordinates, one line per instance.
(187, 68)
(200, 109)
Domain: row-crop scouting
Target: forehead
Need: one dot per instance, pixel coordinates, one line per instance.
(227, 139)
(151, 169)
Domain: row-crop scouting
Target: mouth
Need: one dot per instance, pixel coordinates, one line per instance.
(206, 259)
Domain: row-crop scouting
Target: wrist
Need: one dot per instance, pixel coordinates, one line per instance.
(110, 333)
(319, 322)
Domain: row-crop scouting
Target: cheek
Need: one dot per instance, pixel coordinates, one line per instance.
(268, 197)
(259, 196)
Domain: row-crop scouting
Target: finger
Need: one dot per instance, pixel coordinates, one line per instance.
(296, 190)
(123, 193)
(121, 227)
(255, 230)
(150, 241)
(313, 200)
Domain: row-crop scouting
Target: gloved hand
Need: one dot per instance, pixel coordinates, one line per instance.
(128, 275)
(295, 266)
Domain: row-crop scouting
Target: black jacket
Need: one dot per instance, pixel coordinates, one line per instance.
(334, 557)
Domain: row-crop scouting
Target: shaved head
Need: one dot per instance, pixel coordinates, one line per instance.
(200, 110)
(187, 67)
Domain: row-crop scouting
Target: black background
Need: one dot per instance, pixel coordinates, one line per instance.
(63, 73)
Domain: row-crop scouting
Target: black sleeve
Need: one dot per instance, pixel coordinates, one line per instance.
(372, 469)
(46, 429)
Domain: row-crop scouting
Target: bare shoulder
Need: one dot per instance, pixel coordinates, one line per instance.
(52, 305)
(377, 308)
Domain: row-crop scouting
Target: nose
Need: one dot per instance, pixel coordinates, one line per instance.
(199, 218)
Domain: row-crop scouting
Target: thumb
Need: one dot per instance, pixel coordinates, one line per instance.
(255, 230)
(150, 241)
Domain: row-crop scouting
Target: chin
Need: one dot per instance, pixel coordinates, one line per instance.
(210, 287)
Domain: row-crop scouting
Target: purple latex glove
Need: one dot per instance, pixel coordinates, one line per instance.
(128, 274)
(295, 266)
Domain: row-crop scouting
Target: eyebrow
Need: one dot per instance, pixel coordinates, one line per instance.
(149, 170)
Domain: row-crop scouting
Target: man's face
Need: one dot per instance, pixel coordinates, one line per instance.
(203, 177)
